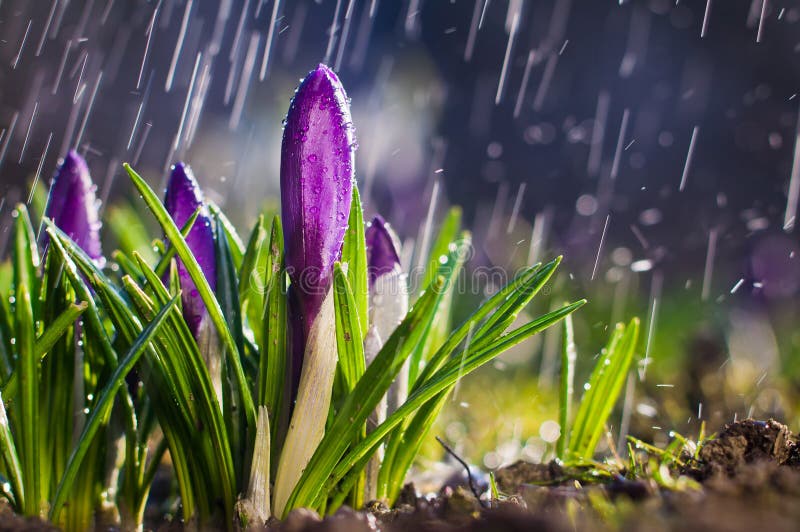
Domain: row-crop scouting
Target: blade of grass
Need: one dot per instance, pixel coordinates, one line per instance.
(447, 234)
(441, 324)
(605, 386)
(272, 368)
(169, 253)
(568, 357)
(126, 265)
(254, 277)
(92, 321)
(234, 240)
(235, 420)
(56, 329)
(499, 312)
(203, 288)
(102, 408)
(445, 378)
(349, 343)
(6, 334)
(193, 373)
(405, 442)
(12, 468)
(47, 340)
(377, 378)
(161, 381)
(27, 361)
(354, 254)
(369, 391)
(206, 474)
(26, 254)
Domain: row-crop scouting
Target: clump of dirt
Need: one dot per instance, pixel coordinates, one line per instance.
(747, 442)
(11, 522)
(509, 479)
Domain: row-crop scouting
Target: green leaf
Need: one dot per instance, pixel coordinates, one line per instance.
(234, 240)
(58, 327)
(568, 357)
(11, 459)
(69, 250)
(499, 312)
(604, 387)
(441, 381)
(349, 341)
(203, 288)
(354, 254)
(228, 295)
(272, 368)
(254, 278)
(457, 253)
(26, 253)
(209, 465)
(367, 394)
(166, 258)
(447, 234)
(200, 463)
(6, 334)
(405, 442)
(126, 265)
(25, 263)
(47, 340)
(102, 409)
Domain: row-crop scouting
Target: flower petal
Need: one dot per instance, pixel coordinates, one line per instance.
(73, 206)
(182, 199)
(317, 170)
(382, 244)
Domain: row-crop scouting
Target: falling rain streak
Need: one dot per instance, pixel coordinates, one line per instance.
(600, 246)
(790, 214)
(501, 84)
(687, 166)
(708, 271)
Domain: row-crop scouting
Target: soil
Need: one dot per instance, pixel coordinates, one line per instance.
(747, 478)
(11, 522)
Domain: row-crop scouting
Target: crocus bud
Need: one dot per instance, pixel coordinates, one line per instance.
(182, 199)
(317, 166)
(388, 305)
(382, 244)
(73, 206)
(388, 299)
(388, 291)
(317, 170)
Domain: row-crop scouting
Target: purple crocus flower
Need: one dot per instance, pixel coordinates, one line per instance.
(388, 305)
(382, 244)
(388, 299)
(317, 170)
(73, 206)
(317, 166)
(182, 199)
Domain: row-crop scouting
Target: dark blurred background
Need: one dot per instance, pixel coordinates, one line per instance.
(650, 141)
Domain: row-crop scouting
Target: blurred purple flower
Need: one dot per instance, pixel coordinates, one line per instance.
(317, 169)
(182, 199)
(388, 302)
(73, 206)
(382, 254)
